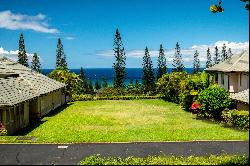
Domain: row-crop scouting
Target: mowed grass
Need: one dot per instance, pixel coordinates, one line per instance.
(127, 121)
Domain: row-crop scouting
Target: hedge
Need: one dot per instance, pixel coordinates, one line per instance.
(89, 97)
(236, 118)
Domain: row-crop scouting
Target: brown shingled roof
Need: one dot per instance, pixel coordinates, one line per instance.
(19, 83)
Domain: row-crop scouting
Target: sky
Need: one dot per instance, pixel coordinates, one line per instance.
(87, 29)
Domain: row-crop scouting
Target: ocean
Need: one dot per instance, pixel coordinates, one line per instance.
(108, 73)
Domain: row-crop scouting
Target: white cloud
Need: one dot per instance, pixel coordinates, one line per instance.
(12, 21)
(69, 38)
(13, 54)
(187, 53)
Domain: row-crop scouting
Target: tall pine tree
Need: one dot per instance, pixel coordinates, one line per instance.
(148, 79)
(60, 55)
(196, 67)
(229, 53)
(216, 55)
(209, 59)
(224, 55)
(161, 63)
(81, 74)
(177, 61)
(119, 65)
(35, 64)
(22, 56)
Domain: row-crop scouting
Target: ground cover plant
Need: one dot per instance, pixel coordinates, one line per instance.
(124, 121)
(168, 160)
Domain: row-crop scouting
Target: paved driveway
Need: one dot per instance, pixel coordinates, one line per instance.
(73, 153)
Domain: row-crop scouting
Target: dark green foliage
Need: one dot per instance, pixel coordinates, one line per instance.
(213, 101)
(236, 118)
(216, 56)
(196, 67)
(229, 53)
(224, 55)
(72, 80)
(209, 59)
(60, 55)
(148, 79)
(81, 74)
(22, 56)
(97, 85)
(193, 85)
(180, 87)
(177, 61)
(84, 83)
(90, 87)
(104, 82)
(170, 86)
(134, 89)
(246, 4)
(161, 63)
(35, 64)
(111, 91)
(119, 65)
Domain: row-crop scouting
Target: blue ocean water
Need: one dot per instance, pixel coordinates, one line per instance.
(108, 73)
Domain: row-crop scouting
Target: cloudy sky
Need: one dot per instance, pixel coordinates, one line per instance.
(87, 29)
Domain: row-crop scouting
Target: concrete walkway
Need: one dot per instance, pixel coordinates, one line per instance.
(21, 154)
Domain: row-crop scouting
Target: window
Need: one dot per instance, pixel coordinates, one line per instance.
(222, 78)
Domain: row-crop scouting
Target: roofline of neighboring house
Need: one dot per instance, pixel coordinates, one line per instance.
(219, 70)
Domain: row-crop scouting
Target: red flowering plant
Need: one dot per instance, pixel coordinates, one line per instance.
(3, 130)
(195, 107)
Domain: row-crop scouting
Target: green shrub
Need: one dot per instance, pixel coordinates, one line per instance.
(82, 97)
(180, 87)
(213, 101)
(72, 80)
(170, 86)
(236, 118)
(111, 91)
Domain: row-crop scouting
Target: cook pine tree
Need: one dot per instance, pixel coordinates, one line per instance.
(229, 53)
(196, 67)
(22, 55)
(209, 59)
(84, 83)
(119, 65)
(224, 55)
(35, 63)
(216, 55)
(60, 55)
(177, 61)
(148, 79)
(161, 63)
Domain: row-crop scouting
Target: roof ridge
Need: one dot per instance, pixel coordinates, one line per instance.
(240, 56)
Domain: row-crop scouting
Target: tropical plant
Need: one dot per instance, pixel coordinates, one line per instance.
(72, 80)
(213, 101)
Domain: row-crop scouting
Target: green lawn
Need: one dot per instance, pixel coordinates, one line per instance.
(168, 160)
(125, 121)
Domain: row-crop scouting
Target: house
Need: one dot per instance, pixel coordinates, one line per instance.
(233, 75)
(25, 95)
